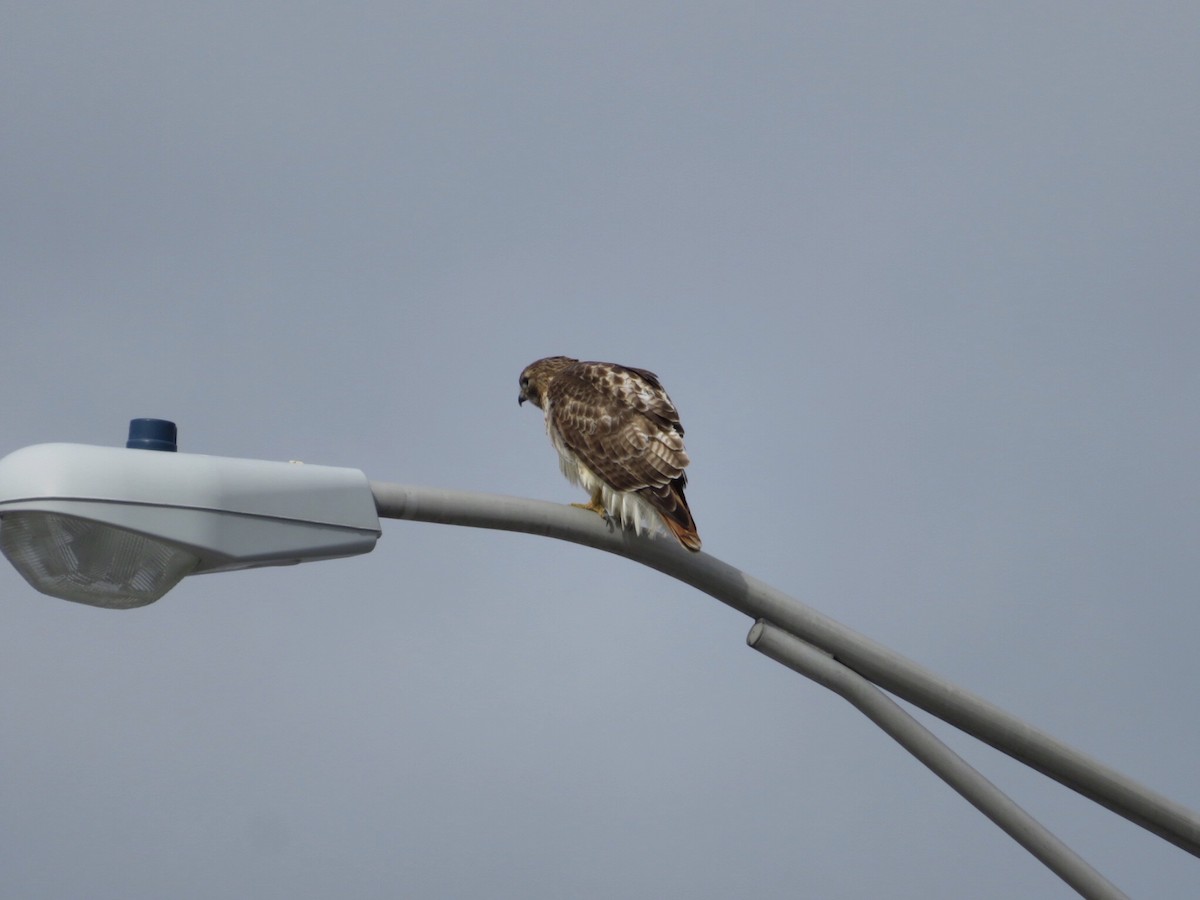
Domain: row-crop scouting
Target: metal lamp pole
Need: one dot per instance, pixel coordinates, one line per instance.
(850, 664)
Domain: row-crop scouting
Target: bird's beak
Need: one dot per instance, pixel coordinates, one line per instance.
(520, 399)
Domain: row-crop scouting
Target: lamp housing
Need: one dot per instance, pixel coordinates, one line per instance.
(118, 528)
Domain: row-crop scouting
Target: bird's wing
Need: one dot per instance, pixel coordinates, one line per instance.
(621, 424)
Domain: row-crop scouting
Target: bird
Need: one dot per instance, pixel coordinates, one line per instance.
(618, 436)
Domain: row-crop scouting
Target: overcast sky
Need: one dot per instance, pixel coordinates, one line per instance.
(921, 279)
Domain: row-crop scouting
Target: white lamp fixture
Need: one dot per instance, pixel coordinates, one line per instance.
(118, 528)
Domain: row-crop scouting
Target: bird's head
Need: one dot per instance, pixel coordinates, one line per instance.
(535, 379)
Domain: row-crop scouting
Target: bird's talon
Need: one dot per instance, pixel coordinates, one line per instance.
(596, 505)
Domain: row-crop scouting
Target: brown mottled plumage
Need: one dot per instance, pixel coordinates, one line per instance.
(618, 435)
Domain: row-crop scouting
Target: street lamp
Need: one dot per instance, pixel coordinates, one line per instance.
(119, 527)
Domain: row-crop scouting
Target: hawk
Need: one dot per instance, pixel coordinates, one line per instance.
(618, 436)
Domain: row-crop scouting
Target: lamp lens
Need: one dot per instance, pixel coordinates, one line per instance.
(88, 562)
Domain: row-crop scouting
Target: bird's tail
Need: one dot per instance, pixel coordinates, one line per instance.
(672, 506)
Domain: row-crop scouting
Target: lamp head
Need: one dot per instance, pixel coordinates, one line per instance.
(118, 528)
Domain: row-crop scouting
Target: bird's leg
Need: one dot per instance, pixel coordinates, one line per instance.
(596, 505)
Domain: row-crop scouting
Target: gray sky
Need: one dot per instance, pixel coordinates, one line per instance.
(920, 278)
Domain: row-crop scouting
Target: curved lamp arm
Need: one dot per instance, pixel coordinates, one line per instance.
(886, 668)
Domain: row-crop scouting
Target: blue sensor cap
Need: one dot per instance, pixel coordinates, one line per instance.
(152, 434)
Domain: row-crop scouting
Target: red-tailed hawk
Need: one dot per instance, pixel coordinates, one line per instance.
(618, 436)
